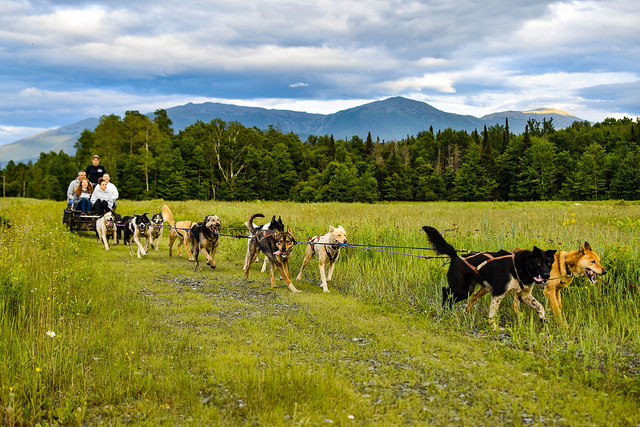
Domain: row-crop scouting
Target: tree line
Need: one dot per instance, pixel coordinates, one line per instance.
(227, 161)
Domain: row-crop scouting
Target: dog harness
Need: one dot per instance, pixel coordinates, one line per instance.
(266, 233)
(333, 255)
(178, 229)
(490, 257)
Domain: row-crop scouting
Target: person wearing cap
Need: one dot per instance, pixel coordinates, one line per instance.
(95, 170)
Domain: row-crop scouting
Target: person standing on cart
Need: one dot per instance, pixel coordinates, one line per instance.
(95, 170)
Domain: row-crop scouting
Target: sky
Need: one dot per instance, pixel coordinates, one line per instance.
(63, 61)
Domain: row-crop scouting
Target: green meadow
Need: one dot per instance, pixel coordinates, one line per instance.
(89, 336)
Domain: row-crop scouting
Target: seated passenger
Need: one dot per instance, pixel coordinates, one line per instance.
(82, 197)
(111, 188)
(101, 199)
(73, 185)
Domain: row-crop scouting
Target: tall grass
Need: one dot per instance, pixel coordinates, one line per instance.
(39, 311)
(52, 280)
(603, 331)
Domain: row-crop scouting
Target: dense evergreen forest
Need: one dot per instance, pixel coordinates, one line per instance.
(227, 161)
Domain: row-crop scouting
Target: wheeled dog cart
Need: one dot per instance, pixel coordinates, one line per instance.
(78, 222)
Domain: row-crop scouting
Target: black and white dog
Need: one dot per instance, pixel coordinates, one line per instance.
(156, 231)
(135, 228)
(501, 273)
(105, 227)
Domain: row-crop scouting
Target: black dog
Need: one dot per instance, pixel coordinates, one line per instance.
(204, 236)
(501, 273)
(135, 228)
(275, 224)
(276, 246)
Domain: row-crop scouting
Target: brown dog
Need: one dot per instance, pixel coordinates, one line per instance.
(205, 237)
(327, 247)
(566, 266)
(276, 246)
(179, 230)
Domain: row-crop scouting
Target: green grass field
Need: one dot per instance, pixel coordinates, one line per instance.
(89, 336)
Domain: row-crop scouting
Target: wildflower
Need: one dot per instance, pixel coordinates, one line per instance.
(37, 369)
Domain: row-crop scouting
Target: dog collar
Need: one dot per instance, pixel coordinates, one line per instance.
(567, 271)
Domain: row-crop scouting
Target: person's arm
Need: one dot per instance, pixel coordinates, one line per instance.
(114, 191)
(70, 190)
(94, 197)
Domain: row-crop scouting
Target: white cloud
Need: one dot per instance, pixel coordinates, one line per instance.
(70, 60)
(441, 82)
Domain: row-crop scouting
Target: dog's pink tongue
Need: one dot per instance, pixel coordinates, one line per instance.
(277, 253)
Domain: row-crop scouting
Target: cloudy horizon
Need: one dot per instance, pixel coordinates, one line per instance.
(65, 61)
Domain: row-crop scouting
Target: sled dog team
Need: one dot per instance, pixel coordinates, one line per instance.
(499, 273)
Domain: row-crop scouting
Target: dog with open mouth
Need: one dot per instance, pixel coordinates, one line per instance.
(135, 228)
(106, 227)
(276, 246)
(501, 273)
(204, 237)
(583, 262)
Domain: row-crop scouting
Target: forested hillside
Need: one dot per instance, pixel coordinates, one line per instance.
(227, 161)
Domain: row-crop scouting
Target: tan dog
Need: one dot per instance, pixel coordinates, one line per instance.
(106, 226)
(327, 247)
(566, 266)
(179, 230)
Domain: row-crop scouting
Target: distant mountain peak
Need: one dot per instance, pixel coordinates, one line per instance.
(548, 111)
(387, 119)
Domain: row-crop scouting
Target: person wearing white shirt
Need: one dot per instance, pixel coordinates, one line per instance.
(101, 200)
(111, 188)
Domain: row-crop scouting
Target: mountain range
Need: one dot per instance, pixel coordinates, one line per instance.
(389, 119)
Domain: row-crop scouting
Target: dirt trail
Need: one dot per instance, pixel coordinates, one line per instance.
(388, 364)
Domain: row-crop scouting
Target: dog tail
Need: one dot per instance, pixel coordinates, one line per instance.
(250, 222)
(440, 245)
(166, 215)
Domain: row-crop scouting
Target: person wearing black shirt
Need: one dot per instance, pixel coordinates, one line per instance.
(95, 170)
